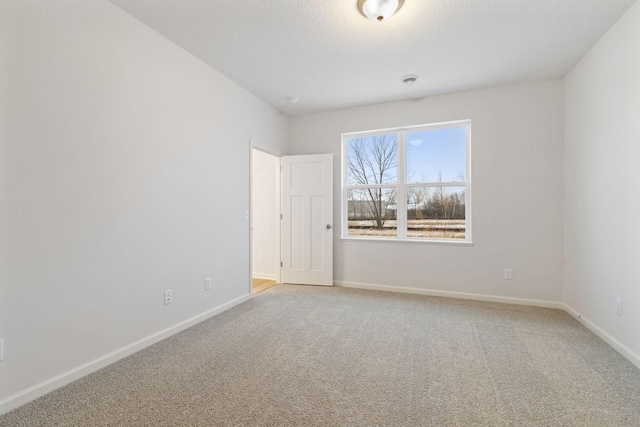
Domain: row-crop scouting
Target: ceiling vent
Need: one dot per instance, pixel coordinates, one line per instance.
(409, 80)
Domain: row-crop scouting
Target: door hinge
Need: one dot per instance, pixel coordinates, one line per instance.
(281, 264)
(280, 216)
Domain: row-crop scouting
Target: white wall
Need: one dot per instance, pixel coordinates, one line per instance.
(125, 172)
(517, 136)
(602, 184)
(266, 215)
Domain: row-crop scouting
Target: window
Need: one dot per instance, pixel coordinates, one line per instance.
(408, 184)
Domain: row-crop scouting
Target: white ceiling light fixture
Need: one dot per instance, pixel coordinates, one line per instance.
(379, 10)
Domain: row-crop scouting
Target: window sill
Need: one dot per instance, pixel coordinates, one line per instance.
(410, 241)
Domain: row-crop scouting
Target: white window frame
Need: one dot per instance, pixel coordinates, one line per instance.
(402, 185)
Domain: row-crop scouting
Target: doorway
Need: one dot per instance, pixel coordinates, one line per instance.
(265, 220)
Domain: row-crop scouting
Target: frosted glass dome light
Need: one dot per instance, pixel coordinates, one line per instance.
(379, 10)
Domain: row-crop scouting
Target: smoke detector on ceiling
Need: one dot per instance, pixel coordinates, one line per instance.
(293, 99)
(409, 80)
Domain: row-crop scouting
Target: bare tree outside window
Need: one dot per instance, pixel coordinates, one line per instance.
(372, 160)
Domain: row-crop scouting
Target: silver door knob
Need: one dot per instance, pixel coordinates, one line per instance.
(328, 226)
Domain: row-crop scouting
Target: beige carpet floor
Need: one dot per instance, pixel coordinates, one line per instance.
(313, 356)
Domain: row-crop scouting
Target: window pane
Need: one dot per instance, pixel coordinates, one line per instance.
(436, 212)
(437, 155)
(372, 212)
(372, 160)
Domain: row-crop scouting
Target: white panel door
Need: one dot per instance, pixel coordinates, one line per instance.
(307, 219)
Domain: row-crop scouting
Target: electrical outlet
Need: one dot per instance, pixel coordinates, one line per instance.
(207, 284)
(261, 257)
(619, 307)
(168, 297)
(1, 350)
(246, 215)
(508, 274)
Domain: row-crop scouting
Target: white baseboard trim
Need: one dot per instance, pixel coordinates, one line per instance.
(448, 294)
(265, 276)
(65, 378)
(617, 345)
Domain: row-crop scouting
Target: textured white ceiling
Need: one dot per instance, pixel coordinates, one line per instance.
(330, 56)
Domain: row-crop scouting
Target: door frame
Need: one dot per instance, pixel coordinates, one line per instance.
(257, 146)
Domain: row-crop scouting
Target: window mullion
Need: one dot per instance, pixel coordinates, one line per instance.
(364, 187)
(401, 196)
